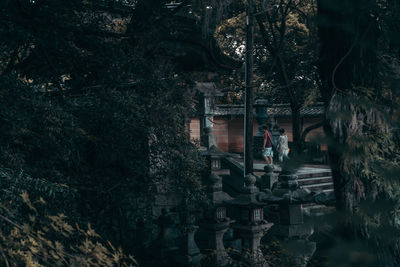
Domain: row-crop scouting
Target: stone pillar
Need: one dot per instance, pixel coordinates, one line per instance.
(189, 253)
(251, 237)
(291, 213)
(291, 228)
(268, 179)
(250, 226)
(287, 182)
(166, 241)
(214, 232)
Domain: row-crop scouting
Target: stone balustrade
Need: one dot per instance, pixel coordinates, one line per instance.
(280, 198)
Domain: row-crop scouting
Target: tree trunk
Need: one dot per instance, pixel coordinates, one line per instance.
(296, 128)
(307, 130)
(285, 82)
(348, 36)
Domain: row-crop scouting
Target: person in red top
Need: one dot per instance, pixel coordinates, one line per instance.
(267, 146)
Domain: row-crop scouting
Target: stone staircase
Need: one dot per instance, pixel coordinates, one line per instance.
(312, 177)
(315, 179)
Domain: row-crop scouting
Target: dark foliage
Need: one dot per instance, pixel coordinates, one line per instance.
(86, 111)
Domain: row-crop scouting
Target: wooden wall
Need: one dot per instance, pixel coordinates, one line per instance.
(194, 129)
(221, 131)
(229, 131)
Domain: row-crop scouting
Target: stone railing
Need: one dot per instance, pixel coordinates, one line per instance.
(235, 183)
(249, 216)
(245, 218)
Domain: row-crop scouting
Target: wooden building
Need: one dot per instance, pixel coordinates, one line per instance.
(226, 122)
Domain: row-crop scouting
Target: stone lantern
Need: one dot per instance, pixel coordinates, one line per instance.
(166, 241)
(215, 223)
(290, 207)
(291, 227)
(213, 158)
(215, 162)
(250, 226)
(208, 93)
(268, 179)
(189, 253)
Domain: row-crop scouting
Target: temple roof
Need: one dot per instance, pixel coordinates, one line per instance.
(276, 110)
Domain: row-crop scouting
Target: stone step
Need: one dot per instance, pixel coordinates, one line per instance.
(300, 175)
(318, 210)
(302, 172)
(322, 186)
(315, 180)
(328, 190)
(304, 175)
(221, 172)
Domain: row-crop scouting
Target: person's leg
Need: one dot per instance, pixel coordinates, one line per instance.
(265, 156)
(285, 154)
(270, 155)
(281, 156)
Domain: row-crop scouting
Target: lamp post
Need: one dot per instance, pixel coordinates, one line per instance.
(249, 94)
(261, 116)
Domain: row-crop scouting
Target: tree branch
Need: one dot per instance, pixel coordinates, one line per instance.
(65, 28)
(33, 236)
(11, 62)
(4, 256)
(178, 8)
(275, 50)
(271, 28)
(309, 129)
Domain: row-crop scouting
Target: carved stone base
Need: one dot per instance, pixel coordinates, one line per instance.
(300, 250)
(189, 253)
(289, 231)
(216, 254)
(290, 214)
(251, 236)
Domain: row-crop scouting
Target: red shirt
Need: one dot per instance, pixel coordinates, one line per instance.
(268, 136)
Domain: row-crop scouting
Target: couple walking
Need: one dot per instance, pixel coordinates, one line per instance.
(283, 148)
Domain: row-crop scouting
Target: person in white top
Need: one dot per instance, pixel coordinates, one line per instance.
(283, 147)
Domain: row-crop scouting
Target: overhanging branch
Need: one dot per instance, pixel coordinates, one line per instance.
(309, 129)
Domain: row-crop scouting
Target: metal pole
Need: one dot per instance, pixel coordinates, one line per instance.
(249, 94)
